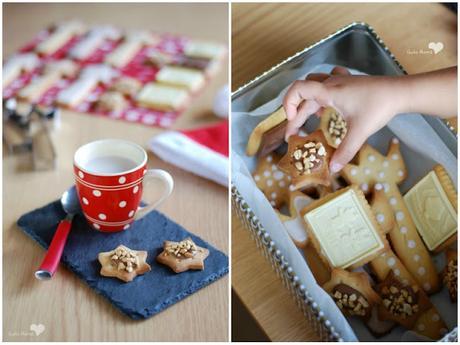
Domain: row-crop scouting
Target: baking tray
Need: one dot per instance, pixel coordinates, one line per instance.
(356, 46)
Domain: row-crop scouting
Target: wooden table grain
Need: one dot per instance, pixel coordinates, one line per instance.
(69, 309)
(264, 35)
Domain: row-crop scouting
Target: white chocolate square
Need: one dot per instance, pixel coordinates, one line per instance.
(433, 214)
(344, 230)
(202, 49)
(181, 77)
(161, 97)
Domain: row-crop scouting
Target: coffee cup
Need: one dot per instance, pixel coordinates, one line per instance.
(110, 176)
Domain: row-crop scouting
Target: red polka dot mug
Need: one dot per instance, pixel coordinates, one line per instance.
(110, 175)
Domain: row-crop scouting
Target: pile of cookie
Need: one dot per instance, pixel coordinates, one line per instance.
(106, 70)
(126, 264)
(370, 247)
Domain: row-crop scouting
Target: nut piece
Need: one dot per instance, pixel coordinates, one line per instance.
(450, 277)
(185, 248)
(307, 156)
(353, 303)
(399, 301)
(337, 128)
(124, 260)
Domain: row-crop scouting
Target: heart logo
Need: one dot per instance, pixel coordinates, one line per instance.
(37, 329)
(436, 46)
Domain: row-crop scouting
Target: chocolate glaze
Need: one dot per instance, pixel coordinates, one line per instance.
(192, 62)
(346, 289)
(272, 139)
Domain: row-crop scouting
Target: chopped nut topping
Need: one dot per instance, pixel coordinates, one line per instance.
(307, 157)
(352, 303)
(337, 128)
(124, 260)
(450, 277)
(399, 301)
(185, 248)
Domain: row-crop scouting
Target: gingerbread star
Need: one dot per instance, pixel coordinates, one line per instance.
(271, 181)
(123, 263)
(183, 256)
(352, 292)
(372, 167)
(307, 160)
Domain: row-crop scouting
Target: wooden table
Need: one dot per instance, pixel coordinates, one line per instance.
(266, 34)
(70, 310)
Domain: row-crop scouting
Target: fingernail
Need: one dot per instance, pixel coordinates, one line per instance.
(336, 167)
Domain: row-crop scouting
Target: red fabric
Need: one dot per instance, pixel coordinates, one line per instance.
(214, 137)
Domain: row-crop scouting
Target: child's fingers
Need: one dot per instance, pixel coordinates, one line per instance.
(305, 110)
(350, 145)
(339, 70)
(300, 91)
(319, 77)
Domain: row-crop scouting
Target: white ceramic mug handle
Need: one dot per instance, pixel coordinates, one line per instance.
(168, 183)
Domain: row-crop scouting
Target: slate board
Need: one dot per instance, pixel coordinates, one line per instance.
(146, 295)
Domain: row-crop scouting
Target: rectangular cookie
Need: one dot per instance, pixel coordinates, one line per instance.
(162, 97)
(432, 203)
(202, 49)
(181, 77)
(343, 229)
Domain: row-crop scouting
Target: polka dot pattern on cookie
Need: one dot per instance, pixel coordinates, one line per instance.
(272, 181)
(387, 172)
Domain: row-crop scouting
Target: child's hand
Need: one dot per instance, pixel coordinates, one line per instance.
(367, 103)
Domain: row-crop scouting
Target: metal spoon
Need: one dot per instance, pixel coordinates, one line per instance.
(71, 206)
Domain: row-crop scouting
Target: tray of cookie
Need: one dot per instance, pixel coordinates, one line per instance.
(133, 75)
(369, 254)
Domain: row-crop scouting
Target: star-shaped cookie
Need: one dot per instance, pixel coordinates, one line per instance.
(271, 181)
(123, 263)
(352, 292)
(183, 256)
(307, 160)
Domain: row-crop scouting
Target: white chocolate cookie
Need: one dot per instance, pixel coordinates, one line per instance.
(162, 97)
(181, 77)
(202, 49)
(51, 74)
(432, 203)
(60, 35)
(343, 229)
(132, 43)
(90, 76)
(93, 39)
(18, 64)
